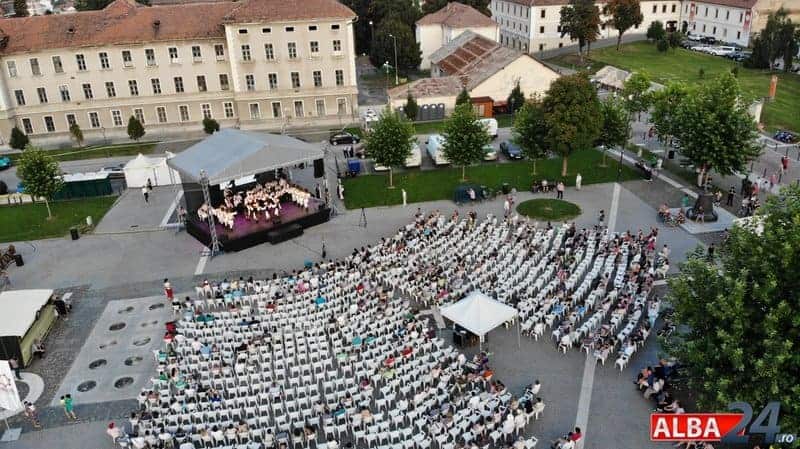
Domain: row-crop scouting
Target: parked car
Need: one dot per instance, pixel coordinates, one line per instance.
(491, 126)
(784, 136)
(413, 160)
(344, 138)
(511, 150)
(434, 146)
(114, 171)
(722, 50)
(489, 153)
(5, 162)
(710, 40)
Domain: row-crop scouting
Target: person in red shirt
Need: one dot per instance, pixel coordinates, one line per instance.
(576, 435)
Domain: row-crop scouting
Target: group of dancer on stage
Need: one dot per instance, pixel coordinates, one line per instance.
(262, 199)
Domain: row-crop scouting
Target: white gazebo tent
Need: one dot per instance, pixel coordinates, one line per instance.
(480, 314)
(141, 168)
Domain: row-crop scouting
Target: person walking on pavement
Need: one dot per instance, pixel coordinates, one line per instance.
(149, 185)
(560, 190)
(731, 193)
(578, 181)
(146, 194)
(13, 363)
(601, 218)
(32, 414)
(317, 191)
(168, 290)
(340, 190)
(506, 207)
(69, 407)
(685, 201)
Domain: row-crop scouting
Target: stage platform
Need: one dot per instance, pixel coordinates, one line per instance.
(248, 233)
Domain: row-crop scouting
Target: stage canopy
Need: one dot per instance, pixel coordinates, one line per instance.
(232, 154)
(479, 313)
(26, 316)
(140, 169)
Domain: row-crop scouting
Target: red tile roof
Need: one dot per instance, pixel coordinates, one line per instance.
(457, 15)
(247, 11)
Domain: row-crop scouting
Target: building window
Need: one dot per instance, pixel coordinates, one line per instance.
(314, 47)
(335, 26)
(541, 30)
(71, 120)
(35, 69)
(183, 110)
(64, 91)
(741, 17)
(543, 12)
(58, 67)
(704, 28)
(27, 126)
(110, 90)
(150, 57)
(178, 84)
(312, 28)
(201, 83)
(289, 29)
(276, 109)
(173, 55)
(223, 81)
(341, 106)
(250, 82)
(205, 108)
(255, 111)
(49, 124)
(337, 45)
(273, 80)
(541, 47)
(161, 113)
(139, 114)
(724, 32)
(94, 120)
(219, 51)
(716, 13)
(87, 91)
(245, 52)
(714, 32)
(738, 35)
(127, 59)
(81, 61)
(292, 50)
(728, 15)
(156, 83)
(242, 31)
(116, 118)
(673, 7)
(320, 103)
(340, 77)
(298, 108)
(266, 30)
(663, 8)
(655, 9)
(560, 45)
(295, 80)
(104, 64)
(317, 78)
(42, 94)
(197, 55)
(706, 13)
(12, 69)
(228, 107)
(269, 51)
(133, 87)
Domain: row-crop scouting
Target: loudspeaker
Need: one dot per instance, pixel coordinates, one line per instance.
(319, 168)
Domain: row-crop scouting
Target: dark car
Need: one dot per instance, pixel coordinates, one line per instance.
(344, 138)
(511, 150)
(708, 40)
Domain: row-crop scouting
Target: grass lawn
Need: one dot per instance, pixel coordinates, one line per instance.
(684, 65)
(77, 154)
(439, 184)
(549, 209)
(29, 221)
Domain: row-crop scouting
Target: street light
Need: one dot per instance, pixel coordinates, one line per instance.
(386, 68)
(396, 78)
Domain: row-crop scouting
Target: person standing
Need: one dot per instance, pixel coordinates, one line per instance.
(181, 218)
(560, 190)
(13, 363)
(32, 414)
(146, 194)
(149, 185)
(340, 190)
(685, 201)
(711, 250)
(317, 191)
(69, 407)
(772, 181)
(578, 181)
(731, 193)
(506, 207)
(168, 290)
(601, 218)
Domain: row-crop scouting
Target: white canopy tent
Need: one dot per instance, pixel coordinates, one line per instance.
(141, 168)
(480, 314)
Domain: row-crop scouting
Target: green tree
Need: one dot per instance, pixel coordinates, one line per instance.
(635, 92)
(674, 39)
(580, 20)
(77, 133)
(383, 45)
(615, 126)
(530, 131)
(778, 39)
(463, 97)
(361, 27)
(624, 15)
(465, 138)
(715, 128)
(573, 116)
(431, 6)
(389, 143)
(665, 103)
(662, 45)
(135, 128)
(93, 5)
(210, 126)
(516, 99)
(411, 108)
(21, 8)
(19, 140)
(739, 325)
(40, 174)
(655, 32)
(380, 11)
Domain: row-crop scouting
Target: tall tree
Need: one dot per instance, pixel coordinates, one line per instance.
(573, 116)
(530, 130)
(135, 128)
(411, 108)
(665, 103)
(40, 174)
(655, 32)
(210, 126)
(405, 11)
(431, 6)
(636, 93)
(515, 99)
(624, 14)
(739, 327)
(21, 8)
(77, 133)
(361, 28)
(389, 143)
(615, 127)
(580, 20)
(383, 45)
(465, 138)
(19, 140)
(463, 97)
(778, 39)
(715, 128)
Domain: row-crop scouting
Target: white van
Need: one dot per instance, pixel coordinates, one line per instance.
(491, 126)
(434, 146)
(413, 160)
(722, 51)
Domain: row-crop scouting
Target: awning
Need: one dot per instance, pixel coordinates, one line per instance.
(479, 313)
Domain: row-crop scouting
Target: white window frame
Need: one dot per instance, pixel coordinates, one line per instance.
(317, 102)
(163, 109)
(96, 115)
(257, 115)
(114, 118)
(139, 114)
(52, 122)
(66, 118)
(302, 108)
(181, 109)
(280, 109)
(24, 121)
(205, 110)
(228, 106)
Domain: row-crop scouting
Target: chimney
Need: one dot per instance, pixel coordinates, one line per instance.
(156, 25)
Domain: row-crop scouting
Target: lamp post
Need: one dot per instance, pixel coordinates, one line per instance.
(371, 31)
(386, 68)
(396, 77)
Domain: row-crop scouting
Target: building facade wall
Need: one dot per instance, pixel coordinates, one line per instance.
(724, 23)
(532, 76)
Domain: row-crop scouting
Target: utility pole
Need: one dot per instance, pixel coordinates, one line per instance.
(396, 77)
